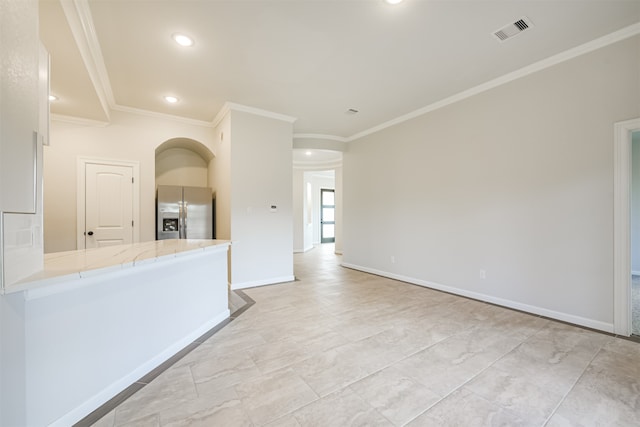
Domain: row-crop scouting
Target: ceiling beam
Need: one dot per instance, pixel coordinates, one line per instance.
(80, 22)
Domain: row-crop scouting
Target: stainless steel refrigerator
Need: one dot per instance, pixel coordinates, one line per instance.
(184, 213)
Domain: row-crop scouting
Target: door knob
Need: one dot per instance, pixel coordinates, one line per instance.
(90, 233)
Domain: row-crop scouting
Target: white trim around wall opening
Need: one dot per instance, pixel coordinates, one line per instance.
(622, 226)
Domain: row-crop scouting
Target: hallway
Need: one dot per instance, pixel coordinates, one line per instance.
(339, 347)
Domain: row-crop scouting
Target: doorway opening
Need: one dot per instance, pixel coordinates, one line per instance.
(314, 170)
(327, 215)
(635, 233)
(622, 224)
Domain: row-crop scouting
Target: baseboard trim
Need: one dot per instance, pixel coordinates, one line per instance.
(264, 282)
(557, 315)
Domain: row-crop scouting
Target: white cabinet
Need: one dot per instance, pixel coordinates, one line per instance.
(44, 71)
(19, 105)
(24, 119)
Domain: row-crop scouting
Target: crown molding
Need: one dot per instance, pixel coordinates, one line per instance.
(317, 166)
(221, 114)
(78, 120)
(154, 114)
(320, 174)
(598, 43)
(317, 142)
(260, 112)
(129, 110)
(232, 106)
(319, 136)
(78, 16)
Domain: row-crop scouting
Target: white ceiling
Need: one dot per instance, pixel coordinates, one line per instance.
(310, 59)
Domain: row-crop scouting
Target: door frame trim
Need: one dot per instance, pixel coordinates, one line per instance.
(82, 161)
(622, 226)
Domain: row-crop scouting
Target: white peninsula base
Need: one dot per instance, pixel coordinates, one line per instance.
(98, 326)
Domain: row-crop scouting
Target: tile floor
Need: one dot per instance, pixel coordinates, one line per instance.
(344, 348)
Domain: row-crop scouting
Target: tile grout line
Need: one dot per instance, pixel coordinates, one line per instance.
(526, 339)
(469, 380)
(555, 409)
(348, 385)
(143, 381)
(371, 407)
(290, 413)
(323, 302)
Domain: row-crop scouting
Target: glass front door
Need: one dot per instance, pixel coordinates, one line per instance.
(327, 216)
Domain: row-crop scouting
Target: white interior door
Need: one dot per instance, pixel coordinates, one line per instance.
(108, 205)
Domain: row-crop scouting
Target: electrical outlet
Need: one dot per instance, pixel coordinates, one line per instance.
(483, 274)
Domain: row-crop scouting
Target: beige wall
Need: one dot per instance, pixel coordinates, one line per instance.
(129, 137)
(516, 181)
(251, 172)
(261, 176)
(181, 166)
(220, 179)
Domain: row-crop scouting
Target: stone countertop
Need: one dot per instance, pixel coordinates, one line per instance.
(72, 265)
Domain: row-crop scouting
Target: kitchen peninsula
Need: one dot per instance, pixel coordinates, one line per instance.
(95, 321)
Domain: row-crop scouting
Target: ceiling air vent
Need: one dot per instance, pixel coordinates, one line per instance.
(514, 29)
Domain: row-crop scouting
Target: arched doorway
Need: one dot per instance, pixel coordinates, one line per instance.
(183, 161)
(185, 202)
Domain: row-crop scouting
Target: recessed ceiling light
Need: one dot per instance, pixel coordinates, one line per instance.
(308, 153)
(53, 98)
(182, 40)
(171, 99)
(393, 1)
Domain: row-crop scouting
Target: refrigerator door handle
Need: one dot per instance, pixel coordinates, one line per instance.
(185, 209)
(180, 220)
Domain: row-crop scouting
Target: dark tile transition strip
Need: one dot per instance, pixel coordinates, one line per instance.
(111, 404)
